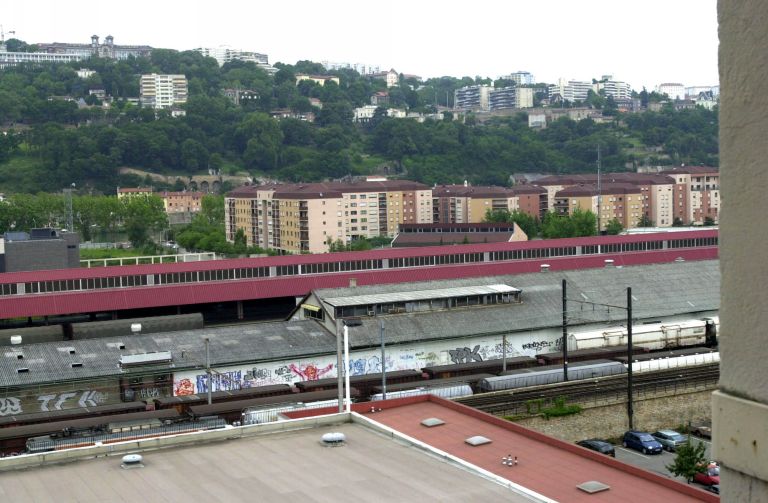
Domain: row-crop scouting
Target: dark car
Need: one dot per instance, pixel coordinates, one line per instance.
(709, 477)
(641, 441)
(670, 440)
(598, 445)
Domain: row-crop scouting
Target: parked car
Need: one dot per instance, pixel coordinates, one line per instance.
(710, 476)
(598, 445)
(641, 441)
(669, 439)
(715, 488)
(703, 430)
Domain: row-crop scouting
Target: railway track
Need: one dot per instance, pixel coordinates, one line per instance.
(587, 391)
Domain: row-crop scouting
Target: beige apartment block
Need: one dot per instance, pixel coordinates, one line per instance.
(308, 218)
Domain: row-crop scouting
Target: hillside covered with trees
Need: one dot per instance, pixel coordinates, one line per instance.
(50, 142)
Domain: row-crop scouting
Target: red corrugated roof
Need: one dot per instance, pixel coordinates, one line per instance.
(385, 253)
(265, 288)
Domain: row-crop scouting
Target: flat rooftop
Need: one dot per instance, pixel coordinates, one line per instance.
(547, 466)
(287, 466)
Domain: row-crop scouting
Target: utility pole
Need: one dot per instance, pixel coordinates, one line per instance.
(208, 368)
(383, 363)
(70, 219)
(599, 190)
(630, 406)
(565, 334)
(630, 357)
(339, 375)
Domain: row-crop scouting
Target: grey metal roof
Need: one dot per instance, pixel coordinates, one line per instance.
(52, 361)
(659, 290)
(440, 293)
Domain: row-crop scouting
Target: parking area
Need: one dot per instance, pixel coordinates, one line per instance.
(657, 462)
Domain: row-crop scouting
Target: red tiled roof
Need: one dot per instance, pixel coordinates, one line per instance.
(546, 465)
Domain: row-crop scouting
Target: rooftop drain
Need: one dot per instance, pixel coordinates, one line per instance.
(132, 461)
(593, 486)
(432, 421)
(334, 439)
(477, 440)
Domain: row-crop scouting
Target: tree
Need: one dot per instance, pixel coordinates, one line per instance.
(689, 460)
(140, 215)
(614, 227)
(645, 221)
(709, 221)
(584, 223)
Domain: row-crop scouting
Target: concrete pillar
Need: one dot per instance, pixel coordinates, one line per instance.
(740, 407)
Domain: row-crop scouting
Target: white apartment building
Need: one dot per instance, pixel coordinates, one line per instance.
(520, 78)
(224, 54)
(361, 68)
(474, 98)
(674, 90)
(510, 97)
(572, 90)
(162, 90)
(617, 90)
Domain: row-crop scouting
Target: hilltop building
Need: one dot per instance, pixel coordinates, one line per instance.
(224, 54)
(95, 49)
(473, 98)
(674, 90)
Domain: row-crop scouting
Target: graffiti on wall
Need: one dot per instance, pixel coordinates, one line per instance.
(405, 357)
(310, 372)
(59, 401)
(10, 406)
(465, 355)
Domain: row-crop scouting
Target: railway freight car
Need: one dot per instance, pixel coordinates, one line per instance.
(694, 332)
(14, 440)
(363, 383)
(550, 374)
(490, 366)
(182, 403)
(233, 411)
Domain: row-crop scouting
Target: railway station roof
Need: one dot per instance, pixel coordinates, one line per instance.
(659, 290)
(417, 295)
(100, 357)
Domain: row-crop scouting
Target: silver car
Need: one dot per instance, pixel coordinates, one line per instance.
(670, 439)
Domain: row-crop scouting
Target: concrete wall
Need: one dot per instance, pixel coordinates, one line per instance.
(610, 421)
(741, 440)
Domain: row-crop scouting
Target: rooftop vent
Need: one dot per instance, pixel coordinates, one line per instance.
(22, 370)
(352, 282)
(135, 328)
(679, 259)
(477, 440)
(544, 267)
(77, 365)
(15, 340)
(593, 486)
(132, 461)
(432, 421)
(609, 262)
(334, 439)
(71, 351)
